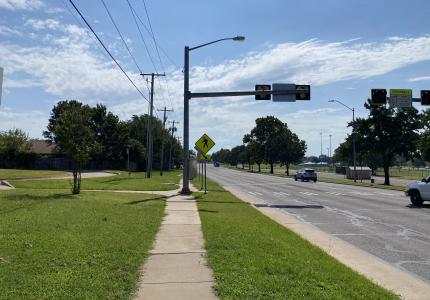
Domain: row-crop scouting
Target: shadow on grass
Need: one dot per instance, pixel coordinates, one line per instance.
(30, 197)
(146, 200)
(208, 211)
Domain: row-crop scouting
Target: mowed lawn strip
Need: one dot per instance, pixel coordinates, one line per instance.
(123, 181)
(90, 246)
(9, 174)
(254, 257)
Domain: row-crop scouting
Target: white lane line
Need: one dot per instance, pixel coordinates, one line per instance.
(284, 194)
(336, 194)
(386, 194)
(252, 193)
(362, 194)
(260, 194)
(308, 193)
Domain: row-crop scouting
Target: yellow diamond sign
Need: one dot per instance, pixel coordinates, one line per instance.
(205, 143)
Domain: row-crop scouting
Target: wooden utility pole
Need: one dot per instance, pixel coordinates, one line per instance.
(171, 142)
(162, 139)
(150, 129)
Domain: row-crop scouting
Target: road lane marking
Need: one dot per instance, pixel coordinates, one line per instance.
(260, 194)
(252, 193)
(308, 193)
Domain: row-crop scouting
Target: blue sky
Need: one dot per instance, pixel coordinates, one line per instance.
(342, 48)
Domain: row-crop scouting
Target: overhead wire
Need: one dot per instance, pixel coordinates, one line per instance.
(107, 50)
(158, 53)
(121, 36)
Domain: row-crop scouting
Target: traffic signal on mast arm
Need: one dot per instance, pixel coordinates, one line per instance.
(305, 92)
(425, 97)
(379, 96)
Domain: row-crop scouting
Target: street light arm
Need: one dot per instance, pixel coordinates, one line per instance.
(237, 38)
(351, 109)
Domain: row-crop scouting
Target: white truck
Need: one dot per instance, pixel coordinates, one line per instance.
(418, 191)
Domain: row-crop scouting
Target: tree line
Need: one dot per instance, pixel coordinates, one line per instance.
(386, 135)
(270, 141)
(83, 133)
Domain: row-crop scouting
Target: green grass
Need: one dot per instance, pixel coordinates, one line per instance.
(254, 257)
(365, 184)
(90, 246)
(9, 174)
(124, 181)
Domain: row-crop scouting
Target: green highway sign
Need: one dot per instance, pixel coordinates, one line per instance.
(400, 98)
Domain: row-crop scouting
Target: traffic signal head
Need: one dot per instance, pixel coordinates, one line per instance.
(263, 96)
(379, 96)
(425, 97)
(305, 92)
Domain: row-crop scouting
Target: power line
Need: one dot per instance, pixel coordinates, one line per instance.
(158, 52)
(134, 14)
(122, 38)
(106, 49)
(159, 46)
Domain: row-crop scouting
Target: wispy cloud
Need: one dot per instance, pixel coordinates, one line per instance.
(20, 4)
(422, 78)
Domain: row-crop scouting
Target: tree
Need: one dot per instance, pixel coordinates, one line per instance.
(424, 140)
(14, 148)
(70, 128)
(291, 148)
(111, 134)
(265, 134)
(255, 149)
(389, 132)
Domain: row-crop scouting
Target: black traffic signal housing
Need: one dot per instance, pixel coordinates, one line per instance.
(425, 97)
(379, 96)
(263, 96)
(305, 92)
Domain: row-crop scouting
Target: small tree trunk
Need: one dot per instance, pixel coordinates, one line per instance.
(76, 179)
(259, 168)
(271, 168)
(288, 168)
(387, 174)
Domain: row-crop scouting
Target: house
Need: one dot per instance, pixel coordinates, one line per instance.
(42, 147)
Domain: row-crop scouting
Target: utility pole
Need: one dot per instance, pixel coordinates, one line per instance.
(171, 142)
(150, 131)
(162, 139)
(321, 142)
(330, 147)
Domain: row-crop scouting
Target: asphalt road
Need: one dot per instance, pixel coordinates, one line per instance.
(381, 222)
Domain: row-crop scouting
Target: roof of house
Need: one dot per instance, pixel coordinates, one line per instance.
(42, 147)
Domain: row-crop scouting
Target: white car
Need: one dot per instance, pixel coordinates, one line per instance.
(418, 191)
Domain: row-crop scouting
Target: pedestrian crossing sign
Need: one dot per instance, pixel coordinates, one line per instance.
(205, 143)
(204, 157)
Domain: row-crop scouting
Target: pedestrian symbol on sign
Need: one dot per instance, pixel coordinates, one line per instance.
(204, 144)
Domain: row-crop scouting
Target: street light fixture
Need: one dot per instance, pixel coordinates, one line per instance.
(353, 136)
(185, 181)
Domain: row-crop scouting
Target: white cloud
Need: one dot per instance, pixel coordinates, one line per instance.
(33, 122)
(423, 78)
(315, 62)
(39, 24)
(69, 65)
(20, 4)
(8, 31)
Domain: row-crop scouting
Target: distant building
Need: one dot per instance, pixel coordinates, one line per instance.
(42, 147)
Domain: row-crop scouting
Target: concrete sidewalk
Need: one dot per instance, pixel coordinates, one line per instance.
(177, 267)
